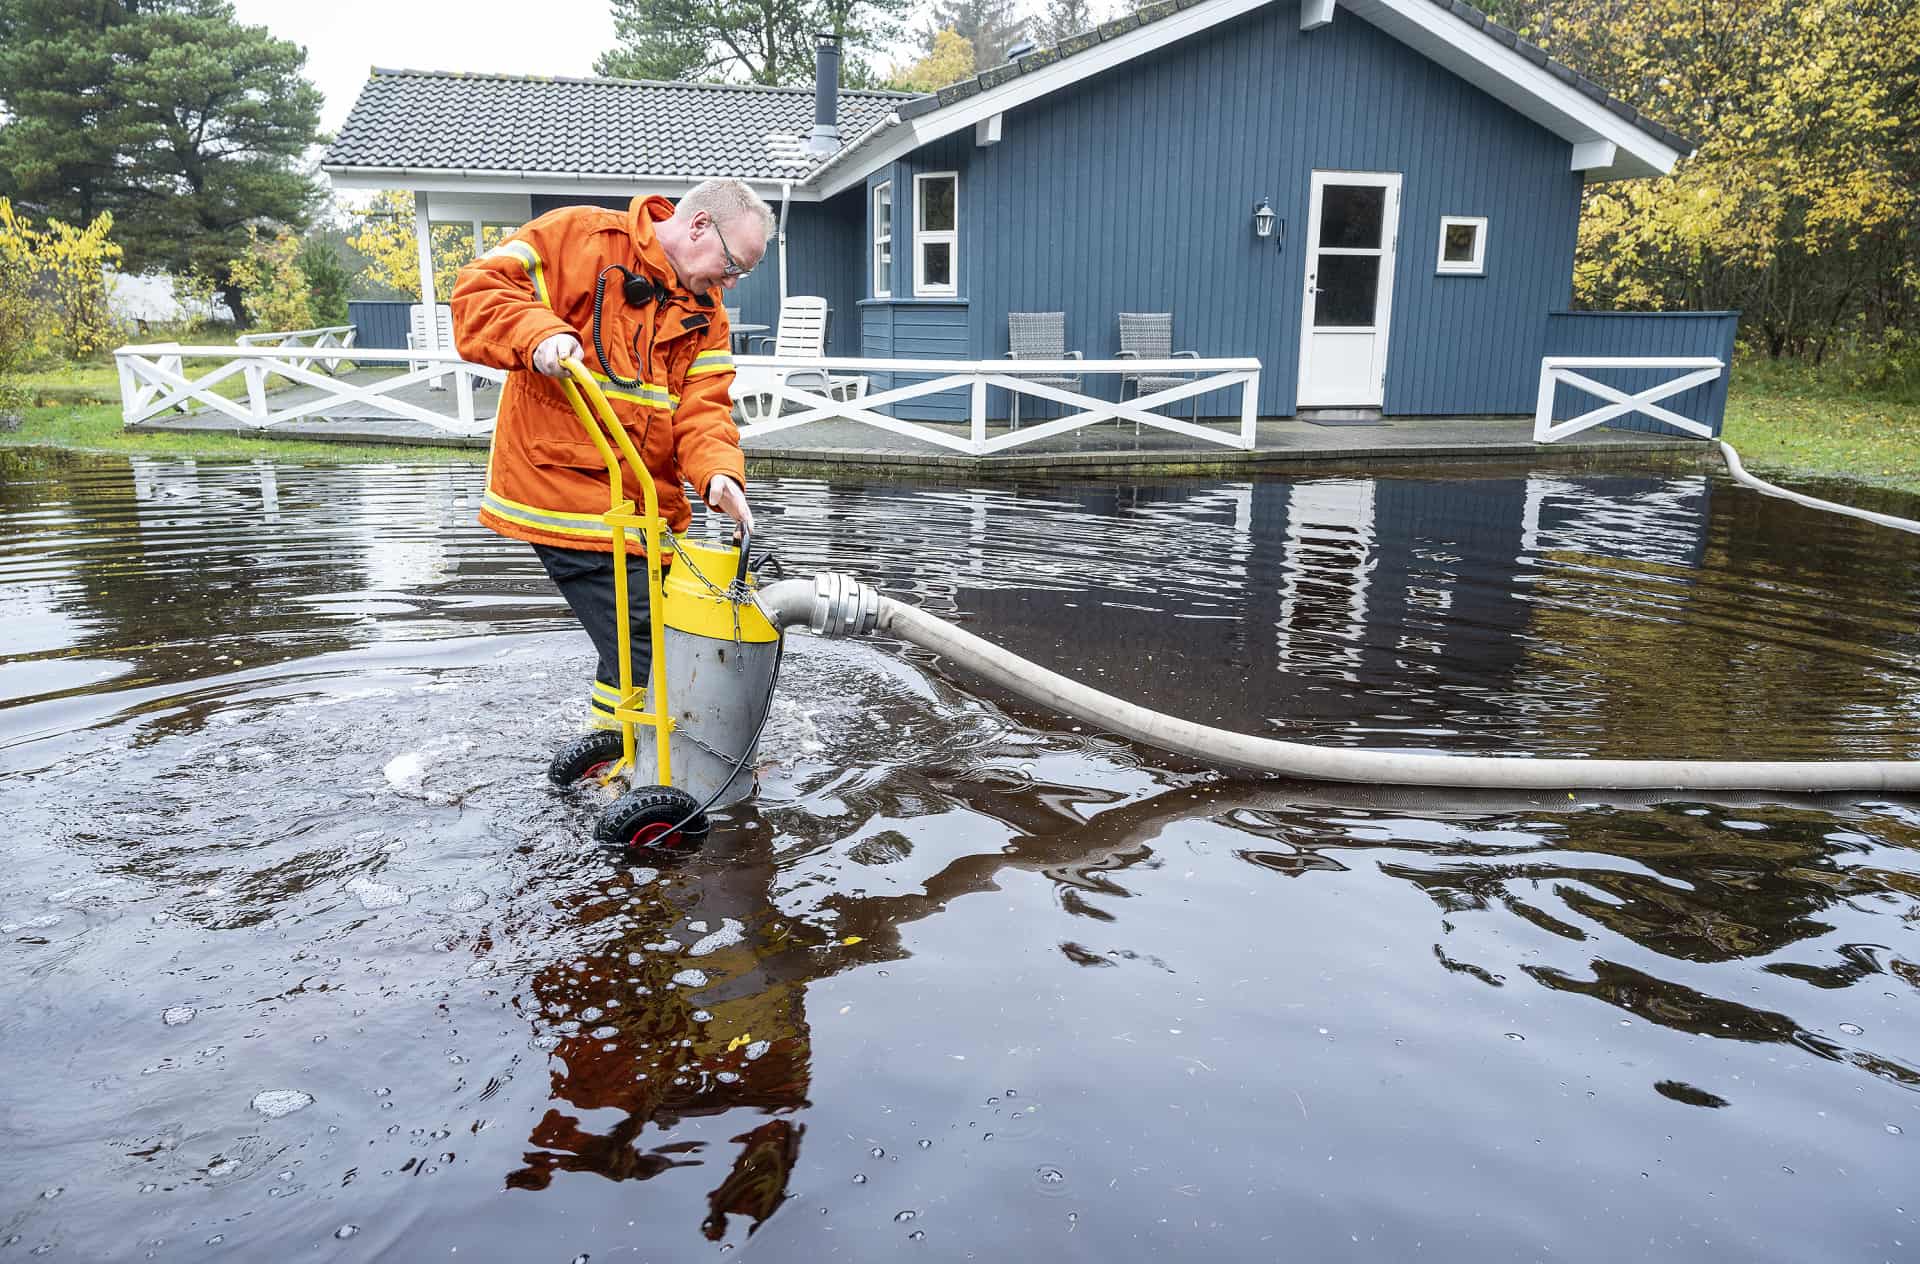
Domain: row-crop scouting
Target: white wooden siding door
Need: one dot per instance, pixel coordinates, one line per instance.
(1352, 228)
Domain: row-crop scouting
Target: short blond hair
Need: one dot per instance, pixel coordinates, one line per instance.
(726, 200)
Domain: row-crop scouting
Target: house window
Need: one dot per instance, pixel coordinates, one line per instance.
(883, 239)
(1463, 245)
(936, 224)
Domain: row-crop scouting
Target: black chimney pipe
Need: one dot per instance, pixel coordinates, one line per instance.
(826, 94)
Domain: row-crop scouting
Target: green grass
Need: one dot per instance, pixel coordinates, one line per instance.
(1831, 422)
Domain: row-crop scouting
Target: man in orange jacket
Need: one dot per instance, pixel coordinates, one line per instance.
(643, 286)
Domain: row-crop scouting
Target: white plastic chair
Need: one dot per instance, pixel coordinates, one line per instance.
(417, 336)
(801, 334)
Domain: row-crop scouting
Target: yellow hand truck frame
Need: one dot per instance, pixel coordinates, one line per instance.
(643, 706)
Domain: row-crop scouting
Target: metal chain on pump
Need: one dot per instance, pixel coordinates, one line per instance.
(735, 595)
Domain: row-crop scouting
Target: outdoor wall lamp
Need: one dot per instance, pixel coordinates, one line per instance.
(1266, 224)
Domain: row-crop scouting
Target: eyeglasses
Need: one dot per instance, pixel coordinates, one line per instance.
(733, 268)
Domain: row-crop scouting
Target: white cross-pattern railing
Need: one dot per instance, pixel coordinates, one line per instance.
(154, 380)
(1556, 371)
(324, 336)
(775, 377)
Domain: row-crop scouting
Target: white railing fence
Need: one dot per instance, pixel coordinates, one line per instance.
(324, 336)
(814, 387)
(1556, 371)
(154, 380)
(783, 392)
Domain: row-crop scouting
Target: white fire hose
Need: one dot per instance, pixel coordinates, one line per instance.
(837, 605)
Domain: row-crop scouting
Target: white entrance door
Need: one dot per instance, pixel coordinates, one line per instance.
(1352, 227)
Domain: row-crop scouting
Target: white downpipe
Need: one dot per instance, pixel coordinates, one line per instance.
(835, 606)
(786, 192)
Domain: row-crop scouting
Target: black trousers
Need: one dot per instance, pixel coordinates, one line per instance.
(585, 578)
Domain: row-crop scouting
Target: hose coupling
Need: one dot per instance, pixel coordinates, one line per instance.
(842, 605)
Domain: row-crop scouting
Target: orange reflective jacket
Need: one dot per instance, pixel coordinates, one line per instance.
(546, 481)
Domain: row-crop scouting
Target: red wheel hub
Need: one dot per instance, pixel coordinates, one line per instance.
(653, 834)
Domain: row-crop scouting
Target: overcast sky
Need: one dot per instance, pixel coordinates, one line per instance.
(344, 38)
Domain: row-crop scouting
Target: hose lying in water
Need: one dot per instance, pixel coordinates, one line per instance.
(1740, 475)
(837, 605)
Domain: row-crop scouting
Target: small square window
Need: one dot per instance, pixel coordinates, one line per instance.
(1463, 245)
(936, 233)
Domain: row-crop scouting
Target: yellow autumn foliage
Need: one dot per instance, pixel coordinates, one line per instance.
(269, 274)
(54, 283)
(386, 237)
(1800, 205)
(950, 61)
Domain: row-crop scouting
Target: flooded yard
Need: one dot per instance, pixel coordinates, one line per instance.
(303, 958)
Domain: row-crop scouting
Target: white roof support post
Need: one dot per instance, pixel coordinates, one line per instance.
(423, 237)
(1315, 14)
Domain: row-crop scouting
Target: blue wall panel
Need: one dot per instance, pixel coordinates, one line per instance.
(1644, 334)
(1133, 191)
(379, 324)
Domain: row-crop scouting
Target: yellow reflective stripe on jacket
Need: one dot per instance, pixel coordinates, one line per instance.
(645, 393)
(528, 258)
(553, 521)
(711, 362)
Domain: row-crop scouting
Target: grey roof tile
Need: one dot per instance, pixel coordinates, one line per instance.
(614, 127)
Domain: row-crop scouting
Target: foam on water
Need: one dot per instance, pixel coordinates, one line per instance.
(375, 895)
(729, 933)
(276, 1102)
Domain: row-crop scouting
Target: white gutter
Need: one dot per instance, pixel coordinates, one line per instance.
(786, 191)
(888, 120)
(511, 180)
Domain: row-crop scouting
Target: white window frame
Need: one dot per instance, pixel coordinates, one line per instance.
(1476, 266)
(922, 238)
(883, 269)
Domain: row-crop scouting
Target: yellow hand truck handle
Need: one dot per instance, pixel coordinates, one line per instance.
(601, 426)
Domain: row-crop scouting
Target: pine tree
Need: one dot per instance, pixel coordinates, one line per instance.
(759, 41)
(170, 114)
(1066, 18)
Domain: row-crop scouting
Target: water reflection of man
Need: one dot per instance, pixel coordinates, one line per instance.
(639, 1034)
(630, 1031)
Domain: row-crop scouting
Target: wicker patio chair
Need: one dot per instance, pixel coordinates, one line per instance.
(1040, 336)
(1149, 336)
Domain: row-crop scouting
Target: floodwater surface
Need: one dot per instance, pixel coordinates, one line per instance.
(303, 959)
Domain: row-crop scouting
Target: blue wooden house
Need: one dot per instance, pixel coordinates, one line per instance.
(1378, 199)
